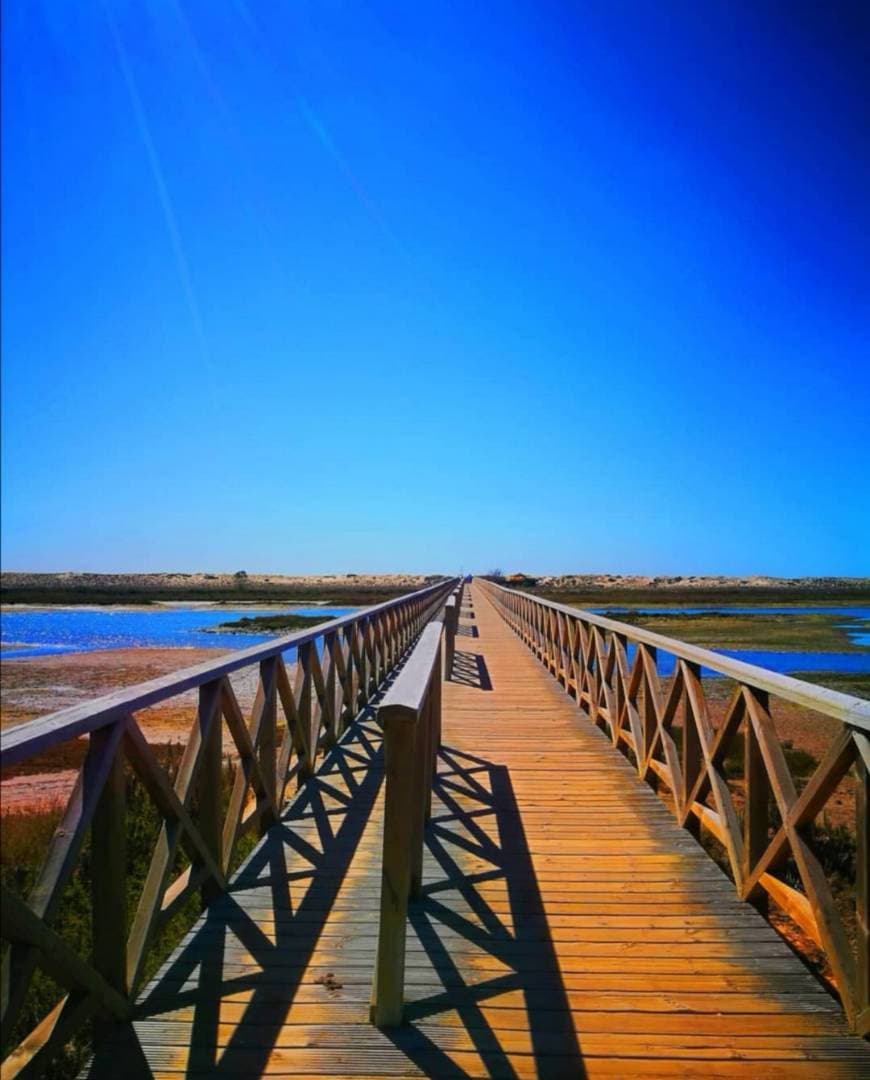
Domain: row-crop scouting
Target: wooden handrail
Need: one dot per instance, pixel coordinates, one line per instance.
(451, 625)
(23, 740)
(589, 655)
(340, 665)
(411, 717)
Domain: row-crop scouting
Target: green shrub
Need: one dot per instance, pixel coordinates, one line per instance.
(801, 762)
(836, 849)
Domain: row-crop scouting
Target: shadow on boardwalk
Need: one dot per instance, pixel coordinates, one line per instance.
(235, 998)
(455, 917)
(469, 669)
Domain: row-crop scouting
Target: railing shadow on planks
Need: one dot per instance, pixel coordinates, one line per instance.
(339, 666)
(665, 726)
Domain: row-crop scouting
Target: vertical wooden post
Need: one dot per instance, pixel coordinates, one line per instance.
(691, 750)
(422, 783)
(756, 806)
(862, 883)
(358, 650)
(649, 700)
(387, 1001)
(351, 675)
(342, 694)
(392, 640)
(330, 710)
(370, 648)
(267, 747)
(209, 787)
(109, 875)
(591, 673)
(621, 645)
(451, 622)
(378, 650)
(435, 740)
(401, 630)
(307, 752)
(650, 711)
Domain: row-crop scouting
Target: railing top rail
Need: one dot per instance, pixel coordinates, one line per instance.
(19, 742)
(849, 710)
(409, 689)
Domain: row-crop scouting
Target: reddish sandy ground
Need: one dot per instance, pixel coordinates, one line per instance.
(35, 686)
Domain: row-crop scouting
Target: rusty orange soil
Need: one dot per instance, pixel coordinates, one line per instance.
(34, 686)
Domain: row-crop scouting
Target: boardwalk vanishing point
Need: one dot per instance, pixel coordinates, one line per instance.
(560, 918)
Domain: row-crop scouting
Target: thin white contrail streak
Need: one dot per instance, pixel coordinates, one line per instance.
(164, 197)
(266, 49)
(246, 194)
(318, 129)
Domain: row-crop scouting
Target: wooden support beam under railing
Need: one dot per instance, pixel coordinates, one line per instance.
(411, 717)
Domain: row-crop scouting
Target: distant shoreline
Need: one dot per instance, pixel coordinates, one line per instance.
(21, 589)
(134, 590)
(150, 605)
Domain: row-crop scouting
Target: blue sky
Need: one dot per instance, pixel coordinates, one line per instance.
(365, 287)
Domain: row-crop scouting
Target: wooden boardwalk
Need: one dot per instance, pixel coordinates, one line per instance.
(569, 927)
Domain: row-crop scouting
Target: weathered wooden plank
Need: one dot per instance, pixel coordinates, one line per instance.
(108, 869)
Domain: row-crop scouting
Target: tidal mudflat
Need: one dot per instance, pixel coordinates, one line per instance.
(58, 657)
(38, 685)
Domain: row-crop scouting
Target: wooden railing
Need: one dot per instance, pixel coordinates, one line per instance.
(642, 712)
(339, 665)
(410, 713)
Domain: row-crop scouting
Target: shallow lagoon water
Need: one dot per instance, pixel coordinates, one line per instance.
(50, 631)
(856, 621)
(784, 663)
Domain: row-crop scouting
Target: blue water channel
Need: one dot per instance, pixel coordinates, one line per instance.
(49, 631)
(856, 622)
